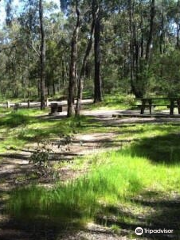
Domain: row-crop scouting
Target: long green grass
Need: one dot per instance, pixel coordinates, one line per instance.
(115, 177)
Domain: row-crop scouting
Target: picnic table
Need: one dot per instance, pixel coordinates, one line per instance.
(151, 103)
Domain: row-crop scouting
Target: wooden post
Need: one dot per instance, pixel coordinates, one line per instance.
(178, 105)
(150, 105)
(8, 104)
(47, 102)
(143, 105)
(28, 103)
(171, 106)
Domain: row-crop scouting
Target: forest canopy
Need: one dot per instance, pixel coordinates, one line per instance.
(90, 46)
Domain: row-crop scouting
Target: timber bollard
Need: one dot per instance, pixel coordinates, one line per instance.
(8, 104)
(47, 102)
(28, 103)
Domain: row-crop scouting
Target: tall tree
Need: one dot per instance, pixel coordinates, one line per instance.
(97, 51)
(73, 63)
(151, 28)
(42, 55)
(83, 68)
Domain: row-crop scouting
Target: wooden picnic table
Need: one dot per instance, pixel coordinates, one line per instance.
(150, 103)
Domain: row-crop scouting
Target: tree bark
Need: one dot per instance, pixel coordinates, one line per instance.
(82, 73)
(63, 71)
(72, 71)
(149, 42)
(42, 56)
(97, 52)
(131, 47)
(135, 51)
(177, 36)
(161, 43)
(177, 27)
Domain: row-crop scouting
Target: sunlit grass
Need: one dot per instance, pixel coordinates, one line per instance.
(115, 177)
(28, 125)
(146, 130)
(20, 127)
(148, 165)
(115, 102)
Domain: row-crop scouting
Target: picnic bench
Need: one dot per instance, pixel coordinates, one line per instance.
(151, 103)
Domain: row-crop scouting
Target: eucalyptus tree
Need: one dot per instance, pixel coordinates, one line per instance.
(73, 62)
(96, 13)
(99, 46)
(95, 29)
(42, 54)
(57, 48)
(83, 67)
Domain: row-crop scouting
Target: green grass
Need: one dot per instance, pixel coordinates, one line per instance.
(119, 184)
(157, 142)
(28, 125)
(115, 102)
(116, 177)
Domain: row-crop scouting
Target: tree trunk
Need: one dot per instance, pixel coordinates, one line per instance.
(54, 87)
(177, 27)
(97, 52)
(131, 47)
(177, 36)
(161, 44)
(82, 73)
(72, 71)
(149, 42)
(42, 56)
(134, 52)
(63, 72)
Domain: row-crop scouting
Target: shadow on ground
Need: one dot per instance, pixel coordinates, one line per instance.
(17, 174)
(161, 213)
(42, 229)
(160, 149)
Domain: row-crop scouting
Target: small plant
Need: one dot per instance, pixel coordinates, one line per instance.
(41, 156)
(115, 229)
(65, 142)
(129, 100)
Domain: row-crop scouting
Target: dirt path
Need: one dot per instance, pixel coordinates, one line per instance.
(15, 170)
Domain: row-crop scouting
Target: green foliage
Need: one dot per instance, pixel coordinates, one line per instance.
(167, 73)
(15, 119)
(41, 155)
(122, 68)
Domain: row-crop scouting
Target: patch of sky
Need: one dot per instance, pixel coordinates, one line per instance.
(17, 7)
